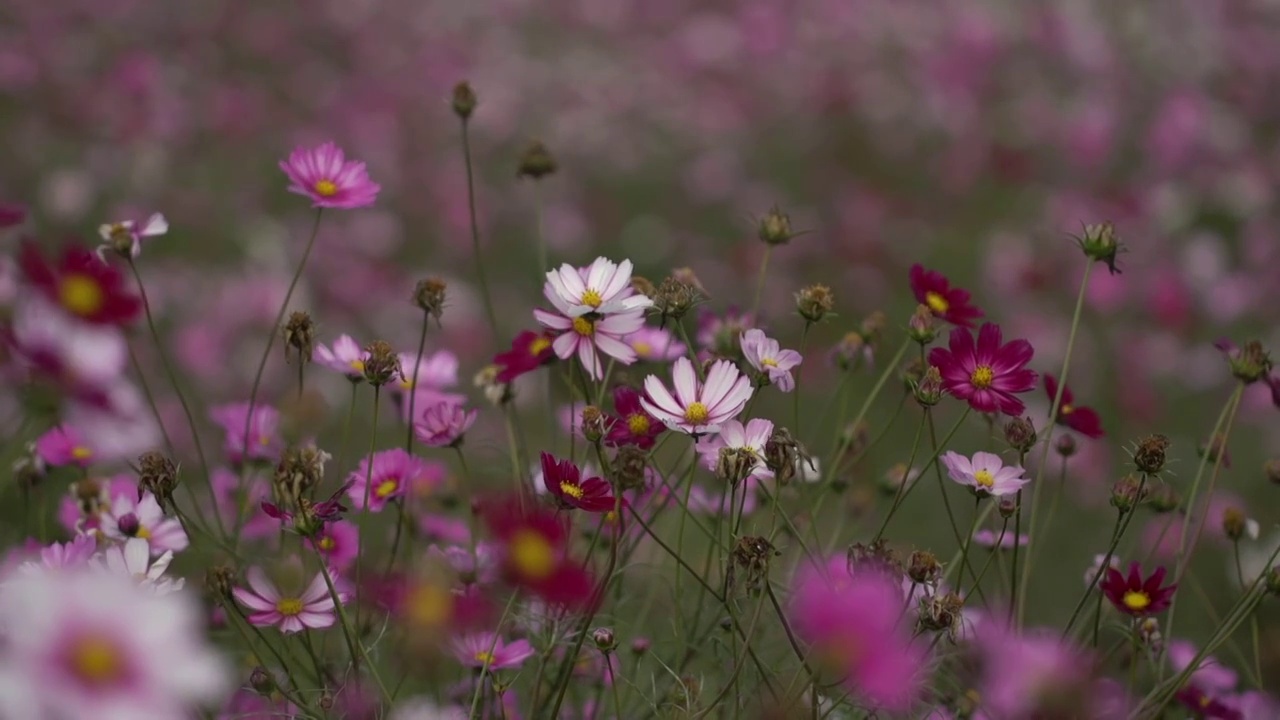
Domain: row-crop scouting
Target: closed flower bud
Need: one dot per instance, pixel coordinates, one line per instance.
(1149, 457)
(1164, 498)
(299, 337)
(536, 162)
(921, 327)
(262, 681)
(593, 428)
(923, 567)
(775, 228)
(1100, 244)
(1271, 469)
(640, 646)
(381, 364)
(1007, 507)
(157, 475)
(1065, 446)
(814, 302)
(604, 639)
(218, 582)
(1127, 493)
(629, 467)
(1233, 523)
(326, 700)
(429, 295)
(464, 100)
(928, 392)
(1020, 433)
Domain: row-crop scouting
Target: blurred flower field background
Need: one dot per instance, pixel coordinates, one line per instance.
(982, 140)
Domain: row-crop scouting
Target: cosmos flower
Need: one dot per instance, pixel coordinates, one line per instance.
(632, 425)
(346, 356)
(933, 290)
(131, 517)
(693, 409)
(1132, 595)
(488, 652)
(74, 553)
(437, 371)
(81, 285)
(124, 237)
(62, 445)
(1083, 420)
(331, 181)
(338, 544)
(133, 559)
(382, 476)
(313, 608)
(986, 375)
(655, 344)
(769, 359)
(1096, 568)
(533, 547)
(265, 442)
(1033, 674)
(749, 439)
(529, 351)
(985, 474)
(565, 483)
(82, 360)
(595, 308)
(444, 424)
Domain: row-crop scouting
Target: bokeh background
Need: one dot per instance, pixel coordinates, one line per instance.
(974, 137)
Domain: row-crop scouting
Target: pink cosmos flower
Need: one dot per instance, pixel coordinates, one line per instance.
(479, 568)
(435, 371)
(242, 503)
(735, 436)
(63, 445)
(85, 503)
(338, 543)
(769, 359)
(392, 473)
(118, 426)
(595, 308)
(313, 608)
(88, 644)
(1210, 675)
(80, 358)
(130, 517)
(346, 356)
(986, 375)
(655, 344)
(264, 443)
(1027, 675)
(72, 554)
(985, 474)
(444, 424)
(130, 232)
(697, 410)
(487, 651)
(331, 181)
(869, 648)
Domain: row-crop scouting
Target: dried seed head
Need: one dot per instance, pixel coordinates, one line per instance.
(734, 464)
(1149, 457)
(928, 391)
(923, 567)
(29, 469)
(876, 557)
(921, 325)
(464, 100)
(1251, 363)
(1234, 523)
(814, 302)
(1100, 244)
(604, 639)
(752, 554)
(536, 162)
(301, 469)
(643, 286)
(299, 337)
(940, 613)
(1271, 469)
(218, 582)
(381, 364)
(157, 475)
(1127, 493)
(593, 428)
(1020, 433)
(674, 298)
(783, 455)
(775, 228)
(430, 296)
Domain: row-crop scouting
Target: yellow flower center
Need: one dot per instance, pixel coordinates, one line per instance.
(571, 490)
(386, 487)
(537, 347)
(642, 348)
(289, 606)
(936, 303)
(429, 605)
(1136, 600)
(264, 440)
(326, 188)
(611, 517)
(584, 327)
(357, 366)
(984, 478)
(81, 295)
(638, 424)
(327, 543)
(591, 298)
(769, 362)
(96, 660)
(696, 413)
(532, 555)
(143, 533)
(80, 452)
(1067, 410)
(982, 376)
(484, 658)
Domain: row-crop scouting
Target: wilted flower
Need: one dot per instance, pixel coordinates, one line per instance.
(124, 237)
(324, 174)
(987, 375)
(697, 410)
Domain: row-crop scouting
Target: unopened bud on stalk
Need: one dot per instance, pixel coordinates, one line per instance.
(1007, 507)
(815, 302)
(1125, 495)
(640, 646)
(299, 337)
(381, 364)
(262, 681)
(464, 100)
(1100, 244)
(1065, 446)
(1271, 469)
(326, 700)
(592, 424)
(604, 639)
(1233, 523)
(923, 567)
(1250, 363)
(921, 327)
(157, 475)
(1164, 498)
(775, 227)
(1020, 433)
(1149, 457)
(536, 162)
(430, 295)
(928, 391)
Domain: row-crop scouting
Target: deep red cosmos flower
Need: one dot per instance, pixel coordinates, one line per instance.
(1083, 420)
(529, 351)
(11, 215)
(533, 546)
(1133, 595)
(81, 284)
(933, 290)
(1206, 706)
(632, 426)
(987, 375)
(564, 481)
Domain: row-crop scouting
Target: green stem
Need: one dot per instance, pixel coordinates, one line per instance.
(764, 269)
(368, 487)
(475, 232)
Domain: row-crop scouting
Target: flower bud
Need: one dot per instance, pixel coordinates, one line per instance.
(1127, 493)
(640, 646)
(1007, 507)
(381, 364)
(1233, 523)
(775, 227)
(928, 391)
(923, 567)
(157, 475)
(262, 681)
(814, 302)
(536, 162)
(1164, 498)
(920, 327)
(1149, 457)
(1065, 446)
(429, 295)
(464, 100)
(1099, 243)
(604, 639)
(1250, 363)
(299, 337)
(592, 424)
(1020, 433)
(1271, 469)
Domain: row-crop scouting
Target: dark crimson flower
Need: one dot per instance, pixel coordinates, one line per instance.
(11, 215)
(1205, 706)
(81, 284)
(564, 480)
(529, 351)
(1135, 596)
(987, 375)
(632, 426)
(1083, 420)
(933, 290)
(533, 545)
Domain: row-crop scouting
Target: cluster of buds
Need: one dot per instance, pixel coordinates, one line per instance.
(815, 302)
(430, 296)
(1100, 244)
(1149, 455)
(299, 337)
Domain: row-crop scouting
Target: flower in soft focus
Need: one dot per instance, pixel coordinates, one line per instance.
(382, 476)
(125, 236)
(133, 560)
(987, 537)
(346, 356)
(488, 652)
(264, 441)
(72, 554)
(769, 359)
(985, 473)
(1083, 420)
(471, 569)
(1207, 706)
(62, 445)
(1210, 675)
(697, 410)
(533, 545)
(87, 501)
(435, 372)
(424, 709)
(118, 427)
(82, 359)
(130, 517)
(655, 344)
(986, 375)
(313, 608)
(11, 215)
(529, 351)
(632, 426)
(1133, 595)
(1095, 569)
(748, 440)
(934, 291)
(1032, 674)
(868, 648)
(331, 181)
(721, 333)
(80, 284)
(566, 484)
(444, 424)
(595, 307)
(88, 644)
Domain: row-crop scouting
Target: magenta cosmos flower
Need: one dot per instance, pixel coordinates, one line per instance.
(934, 291)
(572, 490)
(1133, 595)
(311, 609)
(382, 476)
(264, 443)
(444, 424)
(487, 651)
(693, 409)
(596, 307)
(632, 425)
(63, 445)
(769, 359)
(985, 474)
(345, 356)
(331, 181)
(1027, 675)
(986, 375)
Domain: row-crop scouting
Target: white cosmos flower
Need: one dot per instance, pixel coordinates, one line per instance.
(133, 560)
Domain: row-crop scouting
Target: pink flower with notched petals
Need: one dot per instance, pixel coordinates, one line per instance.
(72, 554)
(693, 409)
(130, 517)
(346, 356)
(313, 608)
(444, 424)
(436, 371)
(769, 359)
(264, 443)
(736, 436)
(655, 344)
(338, 543)
(986, 375)
(325, 175)
(595, 308)
(488, 651)
(382, 476)
(63, 445)
(985, 474)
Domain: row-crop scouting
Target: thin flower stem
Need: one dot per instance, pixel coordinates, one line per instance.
(942, 483)
(990, 556)
(679, 560)
(346, 426)
(693, 352)
(506, 612)
(539, 240)
(368, 486)
(964, 549)
(1013, 566)
(413, 388)
(1122, 523)
(151, 400)
(764, 271)
(954, 563)
(795, 391)
(738, 663)
(475, 232)
(613, 683)
(1025, 582)
(906, 480)
(354, 646)
(889, 369)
